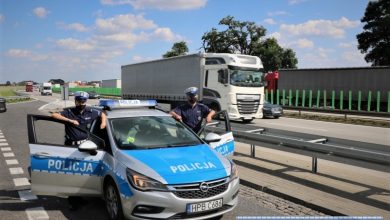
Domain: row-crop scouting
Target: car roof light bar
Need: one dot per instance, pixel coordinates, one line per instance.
(123, 104)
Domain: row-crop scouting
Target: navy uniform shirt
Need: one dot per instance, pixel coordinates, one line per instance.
(85, 120)
(192, 116)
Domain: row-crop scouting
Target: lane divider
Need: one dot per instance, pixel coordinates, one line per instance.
(37, 213)
(5, 149)
(9, 154)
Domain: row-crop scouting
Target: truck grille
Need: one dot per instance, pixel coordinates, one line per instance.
(248, 106)
(193, 191)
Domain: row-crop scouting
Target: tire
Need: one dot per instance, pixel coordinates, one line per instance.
(113, 201)
(217, 217)
(276, 117)
(247, 120)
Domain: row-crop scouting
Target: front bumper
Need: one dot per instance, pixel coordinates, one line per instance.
(174, 207)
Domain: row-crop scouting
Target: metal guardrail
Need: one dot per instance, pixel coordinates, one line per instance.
(339, 150)
(339, 111)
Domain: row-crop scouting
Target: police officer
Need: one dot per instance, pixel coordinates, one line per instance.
(192, 112)
(80, 116)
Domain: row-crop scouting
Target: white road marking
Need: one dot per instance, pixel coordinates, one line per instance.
(37, 213)
(9, 154)
(26, 195)
(3, 140)
(21, 182)
(5, 149)
(12, 162)
(2, 136)
(308, 128)
(16, 170)
(4, 144)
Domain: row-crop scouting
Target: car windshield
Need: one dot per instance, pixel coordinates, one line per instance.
(148, 132)
(246, 78)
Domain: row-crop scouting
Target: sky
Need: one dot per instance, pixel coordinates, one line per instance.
(90, 40)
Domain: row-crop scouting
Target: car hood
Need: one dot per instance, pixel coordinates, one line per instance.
(180, 165)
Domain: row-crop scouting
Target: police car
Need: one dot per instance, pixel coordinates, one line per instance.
(145, 164)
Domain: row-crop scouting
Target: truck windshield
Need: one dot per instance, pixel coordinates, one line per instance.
(246, 78)
(47, 88)
(148, 132)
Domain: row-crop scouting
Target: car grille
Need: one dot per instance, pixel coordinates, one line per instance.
(246, 106)
(193, 191)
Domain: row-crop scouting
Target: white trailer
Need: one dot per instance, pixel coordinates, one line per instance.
(46, 88)
(231, 82)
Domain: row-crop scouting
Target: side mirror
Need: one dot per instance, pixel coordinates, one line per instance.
(212, 137)
(88, 146)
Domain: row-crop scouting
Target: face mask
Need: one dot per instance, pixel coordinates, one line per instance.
(192, 100)
(80, 107)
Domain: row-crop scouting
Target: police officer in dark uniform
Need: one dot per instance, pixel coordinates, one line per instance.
(192, 112)
(80, 116)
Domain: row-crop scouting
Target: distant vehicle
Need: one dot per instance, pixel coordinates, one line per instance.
(29, 86)
(3, 107)
(93, 95)
(272, 110)
(46, 88)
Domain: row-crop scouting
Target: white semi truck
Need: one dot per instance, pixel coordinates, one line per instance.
(46, 88)
(231, 82)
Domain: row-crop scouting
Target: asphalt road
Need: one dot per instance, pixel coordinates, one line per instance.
(14, 131)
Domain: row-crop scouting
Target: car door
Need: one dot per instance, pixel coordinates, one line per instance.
(226, 145)
(57, 169)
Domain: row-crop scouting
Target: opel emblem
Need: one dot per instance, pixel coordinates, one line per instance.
(204, 187)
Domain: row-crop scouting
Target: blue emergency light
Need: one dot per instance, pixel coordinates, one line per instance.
(121, 103)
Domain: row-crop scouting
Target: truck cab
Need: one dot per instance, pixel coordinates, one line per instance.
(234, 82)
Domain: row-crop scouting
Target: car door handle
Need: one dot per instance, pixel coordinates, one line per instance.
(42, 155)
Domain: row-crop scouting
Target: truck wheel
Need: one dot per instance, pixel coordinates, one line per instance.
(247, 120)
(113, 201)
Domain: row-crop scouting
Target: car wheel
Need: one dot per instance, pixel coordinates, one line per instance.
(247, 120)
(276, 117)
(217, 217)
(113, 201)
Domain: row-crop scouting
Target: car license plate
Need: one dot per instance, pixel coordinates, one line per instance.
(204, 206)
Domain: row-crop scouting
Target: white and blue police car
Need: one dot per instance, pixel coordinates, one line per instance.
(145, 164)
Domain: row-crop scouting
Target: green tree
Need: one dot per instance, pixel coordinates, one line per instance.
(374, 41)
(246, 38)
(178, 48)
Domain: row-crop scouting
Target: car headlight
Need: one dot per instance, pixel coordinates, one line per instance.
(144, 183)
(234, 171)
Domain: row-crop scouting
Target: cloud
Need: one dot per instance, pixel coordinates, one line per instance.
(122, 23)
(302, 43)
(159, 4)
(295, 2)
(275, 35)
(166, 34)
(19, 53)
(74, 44)
(328, 28)
(277, 13)
(354, 57)
(269, 21)
(2, 18)
(40, 12)
(74, 26)
(346, 45)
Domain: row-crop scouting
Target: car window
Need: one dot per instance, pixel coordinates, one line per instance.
(151, 132)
